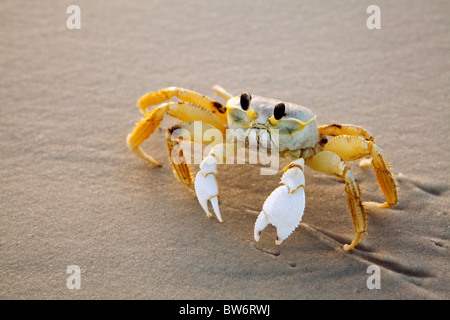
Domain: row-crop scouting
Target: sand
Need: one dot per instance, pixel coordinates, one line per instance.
(73, 194)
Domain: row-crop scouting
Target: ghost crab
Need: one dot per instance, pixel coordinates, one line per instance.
(326, 148)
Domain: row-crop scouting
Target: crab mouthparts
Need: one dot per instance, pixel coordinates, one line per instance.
(259, 136)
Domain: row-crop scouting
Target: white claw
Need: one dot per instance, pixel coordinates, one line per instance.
(206, 186)
(285, 205)
(260, 224)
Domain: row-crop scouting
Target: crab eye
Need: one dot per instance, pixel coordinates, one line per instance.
(245, 100)
(279, 111)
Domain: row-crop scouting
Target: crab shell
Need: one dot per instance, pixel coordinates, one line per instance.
(296, 130)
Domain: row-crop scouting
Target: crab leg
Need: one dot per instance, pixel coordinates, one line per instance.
(330, 163)
(345, 129)
(180, 110)
(206, 187)
(221, 92)
(185, 95)
(191, 132)
(384, 177)
(353, 147)
(285, 205)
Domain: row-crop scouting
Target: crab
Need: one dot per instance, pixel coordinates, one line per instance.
(326, 148)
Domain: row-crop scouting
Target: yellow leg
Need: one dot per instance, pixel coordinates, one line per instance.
(330, 163)
(191, 132)
(189, 96)
(143, 130)
(181, 110)
(347, 129)
(221, 92)
(350, 148)
(384, 177)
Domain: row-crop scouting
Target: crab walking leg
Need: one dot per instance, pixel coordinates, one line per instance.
(143, 130)
(180, 110)
(285, 205)
(330, 163)
(221, 92)
(345, 129)
(384, 177)
(189, 96)
(191, 132)
(351, 130)
(206, 187)
(352, 147)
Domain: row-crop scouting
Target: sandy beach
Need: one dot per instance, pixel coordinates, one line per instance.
(73, 194)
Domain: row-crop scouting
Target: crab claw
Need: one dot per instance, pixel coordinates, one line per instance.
(285, 205)
(206, 186)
